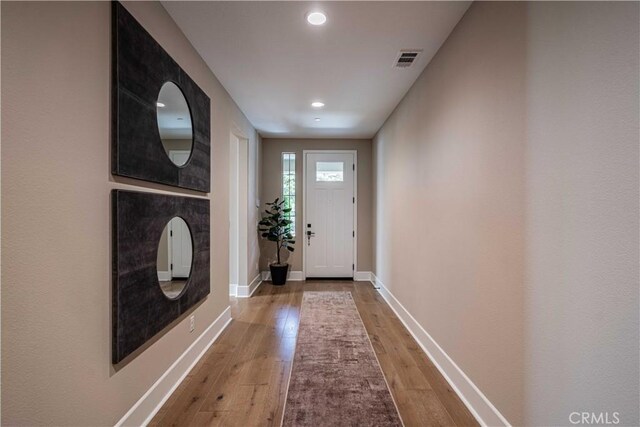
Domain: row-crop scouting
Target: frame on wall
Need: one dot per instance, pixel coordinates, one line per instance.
(140, 307)
(140, 66)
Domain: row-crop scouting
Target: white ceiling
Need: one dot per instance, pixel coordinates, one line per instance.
(274, 64)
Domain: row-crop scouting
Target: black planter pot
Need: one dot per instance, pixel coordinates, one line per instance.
(279, 274)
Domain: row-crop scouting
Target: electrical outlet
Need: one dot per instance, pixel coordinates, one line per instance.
(192, 323)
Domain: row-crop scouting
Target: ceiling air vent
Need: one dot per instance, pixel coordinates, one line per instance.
(407, 57)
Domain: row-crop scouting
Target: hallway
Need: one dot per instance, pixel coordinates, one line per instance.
(242, 379)
(447, 191)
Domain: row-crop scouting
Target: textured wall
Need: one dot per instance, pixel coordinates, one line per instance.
(507, 206)
(582, 211)
(56, 307)
(272, 150)
(450, 200)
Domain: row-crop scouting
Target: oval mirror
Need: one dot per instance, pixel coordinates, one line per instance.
(175, 253)
(174, 123)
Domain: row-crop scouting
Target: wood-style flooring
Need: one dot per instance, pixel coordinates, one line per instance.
(242, 379)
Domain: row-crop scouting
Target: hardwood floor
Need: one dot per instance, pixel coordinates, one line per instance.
(242, 379)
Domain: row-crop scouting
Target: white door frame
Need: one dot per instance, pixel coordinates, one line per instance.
(238, 187)
(303, 236)
(170, 236)
(170, 249)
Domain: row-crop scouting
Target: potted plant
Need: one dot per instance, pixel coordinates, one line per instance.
(275, 227)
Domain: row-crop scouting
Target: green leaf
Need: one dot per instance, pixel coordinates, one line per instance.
(275, 224)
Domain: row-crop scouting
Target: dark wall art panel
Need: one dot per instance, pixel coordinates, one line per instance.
(140, 307)
(140, 69)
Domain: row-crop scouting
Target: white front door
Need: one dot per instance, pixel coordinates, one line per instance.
(181, 248)
(328, 234)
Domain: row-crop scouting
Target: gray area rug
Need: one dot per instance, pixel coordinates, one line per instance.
(336, 379)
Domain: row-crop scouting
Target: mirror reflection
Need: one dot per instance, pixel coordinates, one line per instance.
(174, 123)
(175, 253)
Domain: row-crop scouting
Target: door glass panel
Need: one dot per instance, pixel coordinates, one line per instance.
(330, 171)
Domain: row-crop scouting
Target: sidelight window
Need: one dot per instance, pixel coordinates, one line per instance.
(289, 187)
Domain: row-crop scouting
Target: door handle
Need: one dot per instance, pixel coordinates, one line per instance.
(309, 235)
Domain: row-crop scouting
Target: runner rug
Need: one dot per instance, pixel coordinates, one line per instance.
(336, 379)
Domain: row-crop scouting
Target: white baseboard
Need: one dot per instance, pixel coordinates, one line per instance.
(233, 289)
(362, 276)
(150, 403)
(247, 291)
(294, 276)
(164, 276)
(477, 403)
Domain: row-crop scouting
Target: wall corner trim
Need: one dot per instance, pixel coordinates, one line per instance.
(150, 403)
(245, 291)
(477, 403)
(233, 289)
(294, 276)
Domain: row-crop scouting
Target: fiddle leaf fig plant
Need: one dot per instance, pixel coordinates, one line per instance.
(275, 227)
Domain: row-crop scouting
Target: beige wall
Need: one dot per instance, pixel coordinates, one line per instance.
(272, 150)
(506, 206)
(450, 200)
(582, 281)
(56, 224)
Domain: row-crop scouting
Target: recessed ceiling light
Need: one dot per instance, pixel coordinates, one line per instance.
(160, 104)
(317, 104)
(316, 18)
(317, 119)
